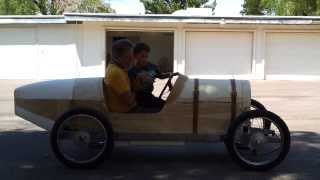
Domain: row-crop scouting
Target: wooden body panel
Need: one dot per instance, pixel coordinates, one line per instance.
(176, 118)
(215, 104)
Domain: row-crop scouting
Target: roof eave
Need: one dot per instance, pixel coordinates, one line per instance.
(74, 18)
(32, 20)
(156, 18)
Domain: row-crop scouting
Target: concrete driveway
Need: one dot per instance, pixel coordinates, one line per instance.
(26, 154)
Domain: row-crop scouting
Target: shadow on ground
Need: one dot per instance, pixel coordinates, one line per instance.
(27, 155)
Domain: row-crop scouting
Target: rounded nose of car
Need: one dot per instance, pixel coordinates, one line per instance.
(20, 92)
(41, 101)
(54, 89)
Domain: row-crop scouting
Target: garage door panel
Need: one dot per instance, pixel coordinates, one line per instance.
(293, 54)
(58, 52)
(218, 53)
(17, 36)
(18, 53)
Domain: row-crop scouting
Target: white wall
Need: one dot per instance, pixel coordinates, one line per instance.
(67, 51)
(51, 52)
(58, 53)
(93, 51)
(18, 53)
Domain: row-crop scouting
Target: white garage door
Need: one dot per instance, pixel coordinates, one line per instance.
(58, 52)
(18, 53)
(222, 54)
(293, 56)
(47, 52)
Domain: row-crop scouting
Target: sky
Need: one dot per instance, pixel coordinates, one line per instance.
(224, 7)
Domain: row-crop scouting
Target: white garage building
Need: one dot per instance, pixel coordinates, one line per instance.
(78, 45)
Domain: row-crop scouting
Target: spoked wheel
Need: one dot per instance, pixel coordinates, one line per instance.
(253, 146)
(82, 139)
(256, 105)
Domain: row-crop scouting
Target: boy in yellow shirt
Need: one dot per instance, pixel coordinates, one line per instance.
(119, 95)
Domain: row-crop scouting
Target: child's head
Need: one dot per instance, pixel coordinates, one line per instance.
(141, 53)
(122, 52)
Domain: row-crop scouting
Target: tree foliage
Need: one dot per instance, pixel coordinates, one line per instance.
(94, 6)
(281, 7)
(170, 6)
(252, 7)
(213, 6)
(52, 7)
(17, 7)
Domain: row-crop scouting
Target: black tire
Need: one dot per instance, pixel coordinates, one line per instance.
(108, 145)
(256, 114)
(257, 105)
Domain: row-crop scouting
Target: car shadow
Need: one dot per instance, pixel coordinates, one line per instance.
(27, 155)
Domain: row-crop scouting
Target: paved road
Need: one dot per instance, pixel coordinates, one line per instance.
(25, 152)
(26, 155)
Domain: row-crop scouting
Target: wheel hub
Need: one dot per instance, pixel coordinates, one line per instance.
(81, 138)
(257, 139)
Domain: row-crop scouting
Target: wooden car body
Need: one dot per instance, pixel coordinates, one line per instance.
(196, 109)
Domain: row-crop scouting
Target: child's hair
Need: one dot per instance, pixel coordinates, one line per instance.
(139, 47)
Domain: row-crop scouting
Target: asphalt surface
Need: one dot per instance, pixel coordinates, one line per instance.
(26, 154)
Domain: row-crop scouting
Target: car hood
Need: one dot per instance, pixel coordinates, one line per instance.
(43, 102)
(54, 89)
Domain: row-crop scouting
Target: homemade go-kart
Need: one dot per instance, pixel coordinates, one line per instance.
(196, 110)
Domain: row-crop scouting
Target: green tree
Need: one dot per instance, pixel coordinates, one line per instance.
(83, 6)
(253, 7)
(94, 6)
(170, 6)
(17, 7)
(281, 7)
(52, 7)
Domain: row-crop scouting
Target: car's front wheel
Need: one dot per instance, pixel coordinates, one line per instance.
(254, 147)
(82, 138)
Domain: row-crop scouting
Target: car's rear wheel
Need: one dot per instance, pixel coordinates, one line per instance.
(82, 138)
(256, 105)
(254, 147)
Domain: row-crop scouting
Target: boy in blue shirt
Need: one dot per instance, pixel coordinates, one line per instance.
(142, 75)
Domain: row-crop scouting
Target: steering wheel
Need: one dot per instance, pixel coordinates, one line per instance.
(168, 84)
